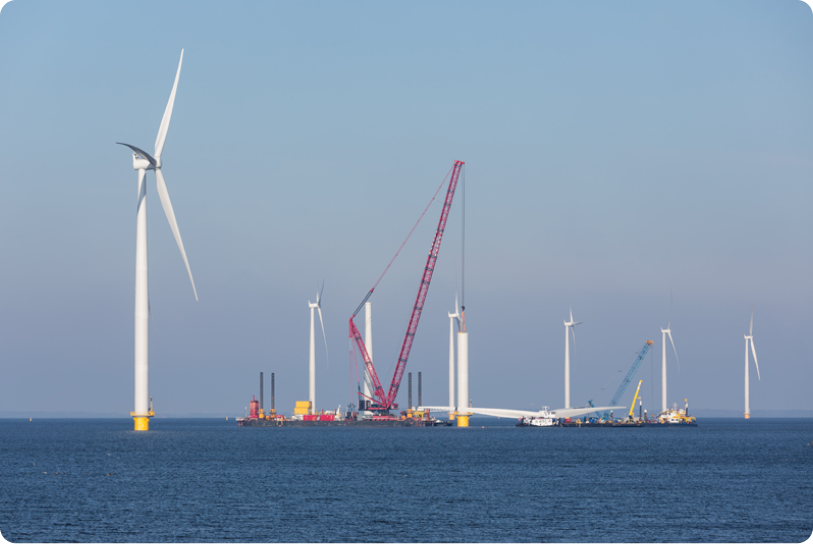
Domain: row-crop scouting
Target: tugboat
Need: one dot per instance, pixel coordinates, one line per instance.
(676, 417)
(543, 419)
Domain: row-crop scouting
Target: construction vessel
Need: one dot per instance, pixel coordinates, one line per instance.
(374, 406)
(305, 416)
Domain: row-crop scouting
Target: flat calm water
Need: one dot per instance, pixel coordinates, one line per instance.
(727, 480)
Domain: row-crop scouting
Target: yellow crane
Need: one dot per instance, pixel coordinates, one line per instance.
(632, 406)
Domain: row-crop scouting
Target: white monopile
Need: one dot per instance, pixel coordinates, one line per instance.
(749, 338)
(312, 360)
(143, 161)
(571, 326)
(452, 318)
(462, 372)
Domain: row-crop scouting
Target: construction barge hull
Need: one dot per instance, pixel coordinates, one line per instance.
(339, 423)
(636, 424)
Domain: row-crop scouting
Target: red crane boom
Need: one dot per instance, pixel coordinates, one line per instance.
(386, 402)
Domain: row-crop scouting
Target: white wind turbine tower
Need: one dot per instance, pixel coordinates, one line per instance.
(665, 332)
(569, 326)
(312, 361)
(452, 317)
(143, 161)
(368, 345)
(749, 338)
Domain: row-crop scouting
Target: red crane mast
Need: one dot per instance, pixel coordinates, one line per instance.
(386, 402)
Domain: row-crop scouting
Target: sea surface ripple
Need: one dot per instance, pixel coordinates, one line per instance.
(202, 480)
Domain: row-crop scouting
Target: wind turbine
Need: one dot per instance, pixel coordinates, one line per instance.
(143, 161)
(750, 338)
(571, 326)
(665, 332)
(452, 317)
(312, 367)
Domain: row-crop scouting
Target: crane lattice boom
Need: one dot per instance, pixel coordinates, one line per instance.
(628, 377)
(386, 402)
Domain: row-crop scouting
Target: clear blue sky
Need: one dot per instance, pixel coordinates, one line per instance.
(614, 150)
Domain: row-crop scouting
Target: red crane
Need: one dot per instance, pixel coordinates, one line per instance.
(386, 402)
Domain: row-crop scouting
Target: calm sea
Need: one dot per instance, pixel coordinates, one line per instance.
(201, 480)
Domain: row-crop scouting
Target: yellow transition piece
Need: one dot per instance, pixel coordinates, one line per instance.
(462, 421)
(142, 423)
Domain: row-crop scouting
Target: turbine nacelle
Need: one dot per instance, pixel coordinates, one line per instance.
(456, 314)
(141, 159)
(572, 323)
(141, 164)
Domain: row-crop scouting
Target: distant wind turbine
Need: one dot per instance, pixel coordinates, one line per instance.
(749, 338)
(569, 326)
(143, 161)
(665, 332)
(312, 362)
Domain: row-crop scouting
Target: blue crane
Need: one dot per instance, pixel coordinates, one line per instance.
(590, 402)
(628, 378)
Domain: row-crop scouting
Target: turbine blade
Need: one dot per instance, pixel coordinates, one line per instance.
(571, 314)
(751, 330)
(327, 358)
(669, 326)
(754, 353)
(162, 130)
(173, 224)
(673, 349)
(319, 296)
(141, 152)
(456, 305)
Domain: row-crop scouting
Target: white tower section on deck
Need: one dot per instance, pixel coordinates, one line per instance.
(142, 303)
(368, 345)
(312, 361)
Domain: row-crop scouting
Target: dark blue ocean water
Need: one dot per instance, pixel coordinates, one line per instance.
(726, 480)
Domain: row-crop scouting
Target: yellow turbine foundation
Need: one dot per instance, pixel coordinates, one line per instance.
(747, 416)
(462, 421)
(142, 421)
